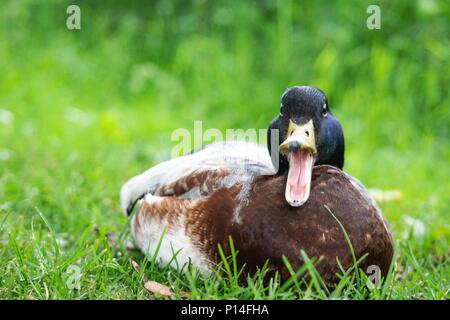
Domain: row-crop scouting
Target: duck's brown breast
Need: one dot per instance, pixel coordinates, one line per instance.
(269, 228)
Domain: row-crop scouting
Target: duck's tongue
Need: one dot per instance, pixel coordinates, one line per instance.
(299, 177)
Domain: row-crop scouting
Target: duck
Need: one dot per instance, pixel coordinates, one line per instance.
(273, 201)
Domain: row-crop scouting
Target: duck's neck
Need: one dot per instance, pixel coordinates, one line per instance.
(283, 167)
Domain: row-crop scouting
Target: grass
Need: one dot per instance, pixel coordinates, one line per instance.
(83, 111)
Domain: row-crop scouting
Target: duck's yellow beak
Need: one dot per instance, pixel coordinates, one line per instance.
(300, 150)
(299, 137)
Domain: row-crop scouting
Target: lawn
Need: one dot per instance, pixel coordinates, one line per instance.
(82, 111)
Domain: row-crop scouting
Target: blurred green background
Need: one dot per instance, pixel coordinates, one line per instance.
(82, 111)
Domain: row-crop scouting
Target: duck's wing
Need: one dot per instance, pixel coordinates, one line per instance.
(220, 163)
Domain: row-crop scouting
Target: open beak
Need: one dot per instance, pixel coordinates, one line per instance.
(300, 150)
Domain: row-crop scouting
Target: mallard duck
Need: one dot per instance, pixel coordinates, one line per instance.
(272, 202)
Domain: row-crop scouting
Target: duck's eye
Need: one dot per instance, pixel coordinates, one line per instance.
(281, 110)
(324, 110)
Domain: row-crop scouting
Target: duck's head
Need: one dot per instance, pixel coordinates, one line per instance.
(308, 135)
